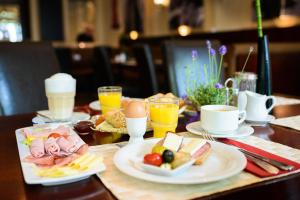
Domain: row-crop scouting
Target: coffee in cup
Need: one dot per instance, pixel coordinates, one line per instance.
(60, 91)
(221, 118)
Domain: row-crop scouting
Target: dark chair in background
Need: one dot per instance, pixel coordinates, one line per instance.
(183, 71)
(148, 79)
(64, 57)
(23, 69)
(103, 70)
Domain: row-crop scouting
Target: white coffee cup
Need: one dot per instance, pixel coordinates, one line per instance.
(60, 91)
(256, 106)
(221, 118)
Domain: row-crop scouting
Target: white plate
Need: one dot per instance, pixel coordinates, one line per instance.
(163, 172)
(243, 131)
(223, 162)
(95, 105)
(261, 122)
(76, 116)
(31, 178)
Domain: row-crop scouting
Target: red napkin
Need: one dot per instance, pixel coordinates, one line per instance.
(253, 168)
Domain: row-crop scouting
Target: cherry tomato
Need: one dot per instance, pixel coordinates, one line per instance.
(54, 135)
(153, 159)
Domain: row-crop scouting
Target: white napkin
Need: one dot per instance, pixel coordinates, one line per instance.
(290, 122)
(280, 101)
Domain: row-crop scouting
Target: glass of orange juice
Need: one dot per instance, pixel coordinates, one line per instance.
(163, 115)
(110, 98)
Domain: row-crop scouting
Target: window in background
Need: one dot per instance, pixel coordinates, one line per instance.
(10, 26)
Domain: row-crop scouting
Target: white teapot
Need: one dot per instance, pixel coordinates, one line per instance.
(256, 106)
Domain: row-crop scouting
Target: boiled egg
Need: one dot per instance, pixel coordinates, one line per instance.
(135, 109)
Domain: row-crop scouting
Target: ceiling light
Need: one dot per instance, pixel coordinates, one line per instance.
(184, 30)
(133, 35)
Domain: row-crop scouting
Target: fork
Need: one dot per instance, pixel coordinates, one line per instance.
(265, 163)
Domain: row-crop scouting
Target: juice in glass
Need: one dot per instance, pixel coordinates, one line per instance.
(109, 98)
(164, 115)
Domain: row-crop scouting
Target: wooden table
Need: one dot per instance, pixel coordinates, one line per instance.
(12, 185)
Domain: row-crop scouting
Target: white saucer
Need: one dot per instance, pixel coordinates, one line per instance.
(77, 116)
(243, 131)
(261, 122)
(95, 105)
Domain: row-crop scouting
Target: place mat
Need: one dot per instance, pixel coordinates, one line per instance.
(290, 122)
(282, 101)
(126, 187)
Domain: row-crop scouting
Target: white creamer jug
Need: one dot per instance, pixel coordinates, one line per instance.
(256, 106)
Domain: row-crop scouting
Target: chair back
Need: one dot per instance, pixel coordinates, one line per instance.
(183, 70)
(143, 56)
(23, 69)
(102, 66)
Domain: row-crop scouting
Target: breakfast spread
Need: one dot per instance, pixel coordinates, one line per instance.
(57, 152)
(114, 121)
(171, 152)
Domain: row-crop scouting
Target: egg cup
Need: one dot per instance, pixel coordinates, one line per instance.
(136, 128)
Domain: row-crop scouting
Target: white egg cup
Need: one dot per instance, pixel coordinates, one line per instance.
(136, 128)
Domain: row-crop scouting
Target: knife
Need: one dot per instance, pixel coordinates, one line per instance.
(276, 163)
(264, 165)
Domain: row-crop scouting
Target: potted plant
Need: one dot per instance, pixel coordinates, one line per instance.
(211, 91)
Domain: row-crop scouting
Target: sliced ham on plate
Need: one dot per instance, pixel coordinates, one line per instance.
(83, 149)
(66, 145)
(37, 148)
(66, 160)
(43, 161)
(51, 146)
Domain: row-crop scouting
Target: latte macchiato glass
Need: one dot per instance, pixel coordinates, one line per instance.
(60, 91)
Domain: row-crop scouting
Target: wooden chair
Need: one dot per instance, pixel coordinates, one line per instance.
(23, 69)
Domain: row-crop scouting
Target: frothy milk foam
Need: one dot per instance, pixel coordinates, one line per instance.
(60, 91)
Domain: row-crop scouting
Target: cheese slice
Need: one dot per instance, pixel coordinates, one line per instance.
(172, 141)
(193, 146)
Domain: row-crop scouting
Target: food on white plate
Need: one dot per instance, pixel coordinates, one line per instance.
(51, 146)
(170, 152)
(172, 141)
(198, 149)
(85, 162)
(37, 148)
(135, 109)
(52, 151)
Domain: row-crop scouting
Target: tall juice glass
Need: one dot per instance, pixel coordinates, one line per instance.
(163, 115)
(110, 98)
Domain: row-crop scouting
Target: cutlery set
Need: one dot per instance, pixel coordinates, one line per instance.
(270, 165)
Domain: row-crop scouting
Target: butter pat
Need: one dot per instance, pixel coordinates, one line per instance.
(193, 146)
(172, 141)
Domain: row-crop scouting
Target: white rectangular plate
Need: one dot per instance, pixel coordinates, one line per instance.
(30, 176)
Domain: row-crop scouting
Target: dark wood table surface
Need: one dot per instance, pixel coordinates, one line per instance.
(12, 185)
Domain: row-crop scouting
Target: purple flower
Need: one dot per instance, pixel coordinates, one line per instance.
(222, 50)
(212, 52)
(219, 86)
(194, 54)
(208, 44)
